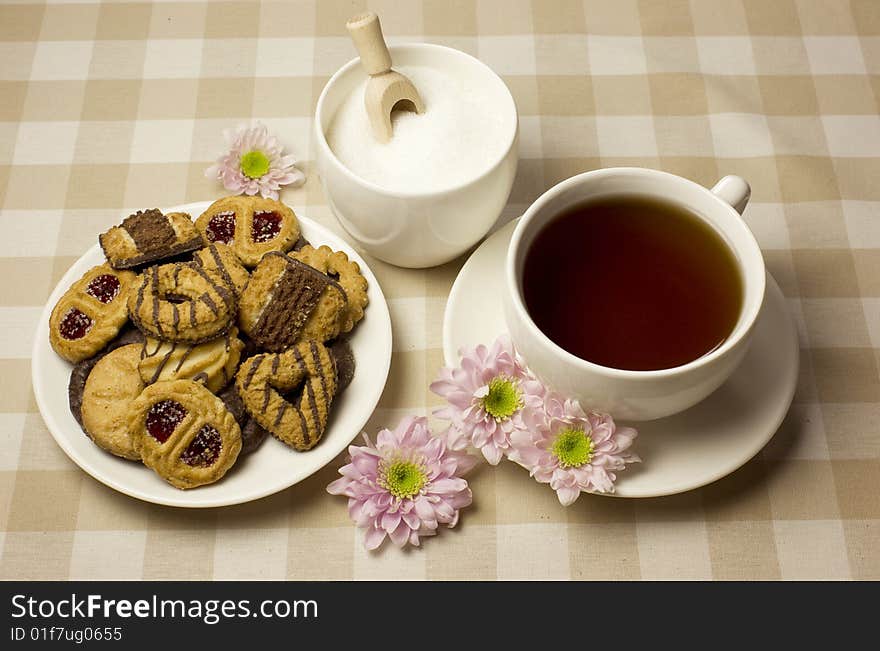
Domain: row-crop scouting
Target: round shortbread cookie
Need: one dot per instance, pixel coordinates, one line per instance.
(110, 390)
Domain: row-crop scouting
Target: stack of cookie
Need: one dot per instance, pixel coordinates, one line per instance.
(195, 340)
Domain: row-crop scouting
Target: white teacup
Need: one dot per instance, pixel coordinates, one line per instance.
(626, 394)
(418, 229)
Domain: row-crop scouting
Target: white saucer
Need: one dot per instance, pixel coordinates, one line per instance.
(274, 466)
(682, 452)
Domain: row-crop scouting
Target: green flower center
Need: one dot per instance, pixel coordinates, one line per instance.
(254, 164)
(573, 448)
(504, 398)
(403, 479)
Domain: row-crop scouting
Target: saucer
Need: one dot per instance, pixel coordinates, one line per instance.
(681, 452)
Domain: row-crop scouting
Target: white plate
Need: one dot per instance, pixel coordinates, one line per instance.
(682, 452)
(274, 466)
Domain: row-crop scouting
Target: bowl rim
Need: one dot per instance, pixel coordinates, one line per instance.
(325, 150)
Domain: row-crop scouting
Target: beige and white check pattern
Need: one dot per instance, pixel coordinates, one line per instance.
(110, 107)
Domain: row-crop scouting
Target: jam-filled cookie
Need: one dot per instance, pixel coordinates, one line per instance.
(184, 433)
(148, 236)
(251, 226)
(213, 362)
(91, 313)
(110, 390)
(286, 301)
(264, 380)
(222, 261)
(181, 302)
(337, 265)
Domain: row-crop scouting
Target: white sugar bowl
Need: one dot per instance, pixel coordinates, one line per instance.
(411, 227)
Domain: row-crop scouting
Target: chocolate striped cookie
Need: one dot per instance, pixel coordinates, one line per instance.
(264, 381)
(181, 302)
(222, 261)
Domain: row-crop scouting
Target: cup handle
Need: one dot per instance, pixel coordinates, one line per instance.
(734, 190)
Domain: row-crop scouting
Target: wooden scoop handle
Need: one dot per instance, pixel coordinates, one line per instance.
(366, 32)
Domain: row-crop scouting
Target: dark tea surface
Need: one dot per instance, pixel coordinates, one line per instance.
(632, 283)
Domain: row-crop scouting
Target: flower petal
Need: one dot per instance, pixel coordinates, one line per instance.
(567, 495)
(338, 486)
(492, 453)
(400, 536)
(373, 538)
(390, 521)
(448, 486)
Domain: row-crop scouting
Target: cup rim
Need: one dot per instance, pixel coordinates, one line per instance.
(324, 146)
(749, 314)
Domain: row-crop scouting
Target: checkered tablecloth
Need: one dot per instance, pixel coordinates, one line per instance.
(110, 107)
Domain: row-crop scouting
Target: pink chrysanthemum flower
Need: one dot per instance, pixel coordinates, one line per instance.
(405, 485)
(254, 163)
(491, 396)
(576, 451)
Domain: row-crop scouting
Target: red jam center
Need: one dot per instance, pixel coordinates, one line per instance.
(266, 226)
(221, 228)
(104, 287)
(204, 449)
(163, 417)
(74, 325)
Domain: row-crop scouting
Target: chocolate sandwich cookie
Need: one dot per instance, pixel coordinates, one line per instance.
(284, 301)
(252, 435)
(251, 226)
(181, 302)
(213, 362)
(250, 346)
(343, 356)
(148, 236)
(184, 433)
(264, 381)
(90, 314)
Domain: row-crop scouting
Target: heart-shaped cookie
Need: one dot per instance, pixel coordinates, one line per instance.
(265, 381)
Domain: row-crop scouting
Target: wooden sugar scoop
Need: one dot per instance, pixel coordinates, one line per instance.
(386, 89)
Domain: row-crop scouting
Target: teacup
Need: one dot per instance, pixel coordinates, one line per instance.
(629, 394)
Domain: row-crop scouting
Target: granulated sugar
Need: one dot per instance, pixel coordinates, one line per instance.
(456, 139)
